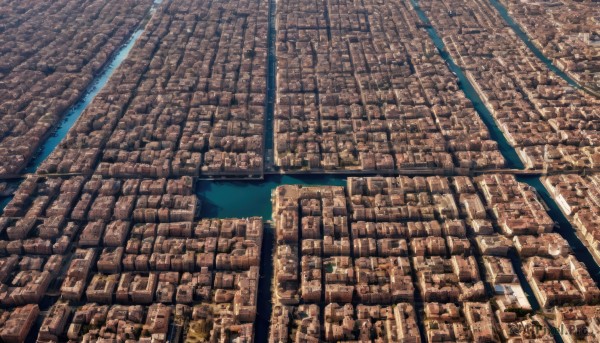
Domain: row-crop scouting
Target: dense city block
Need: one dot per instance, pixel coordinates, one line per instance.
(362, 87)
(436, 250)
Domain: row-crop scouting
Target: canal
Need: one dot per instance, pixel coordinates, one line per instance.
(264, 302)
(75, 112)
(77, 109)
(534, 49)
(4, 201)
(565, 229)
(240, 199)
(508, 151)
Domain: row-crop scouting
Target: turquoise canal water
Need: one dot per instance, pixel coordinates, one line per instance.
(509, 153)
(240, 199)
